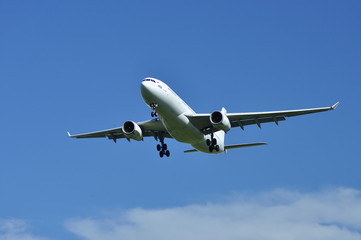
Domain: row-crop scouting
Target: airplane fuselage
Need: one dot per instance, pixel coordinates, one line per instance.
(172, 111)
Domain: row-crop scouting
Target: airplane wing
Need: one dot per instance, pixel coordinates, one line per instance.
(202, 121)
(149, 128)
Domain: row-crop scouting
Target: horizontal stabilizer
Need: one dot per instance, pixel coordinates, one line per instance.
(191, 151)
(243, 145)
(232, 146)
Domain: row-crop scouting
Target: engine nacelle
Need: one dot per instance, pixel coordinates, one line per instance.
(132, 130)
(220, 121)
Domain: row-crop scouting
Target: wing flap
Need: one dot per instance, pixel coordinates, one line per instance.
(258, 121)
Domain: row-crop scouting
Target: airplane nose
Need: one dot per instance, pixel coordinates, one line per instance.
(143, 85)
(145, 88)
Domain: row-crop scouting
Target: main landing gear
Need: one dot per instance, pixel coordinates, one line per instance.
(162, 148)
(212, 143)
(153, 106)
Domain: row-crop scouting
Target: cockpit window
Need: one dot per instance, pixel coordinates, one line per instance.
(148, 80)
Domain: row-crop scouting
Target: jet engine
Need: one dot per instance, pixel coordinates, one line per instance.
(132, 130)
(220, 121)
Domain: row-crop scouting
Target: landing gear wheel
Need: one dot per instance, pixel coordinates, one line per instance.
(153, 106)
(208, 142)
(214, 141)
(162, 148)
(210, 148)
(217, 148)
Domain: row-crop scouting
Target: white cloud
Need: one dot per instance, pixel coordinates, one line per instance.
(280, 214)
(16, 229)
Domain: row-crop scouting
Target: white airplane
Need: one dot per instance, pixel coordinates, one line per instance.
(173, 118)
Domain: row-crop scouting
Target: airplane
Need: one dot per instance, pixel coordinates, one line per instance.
(173, 118)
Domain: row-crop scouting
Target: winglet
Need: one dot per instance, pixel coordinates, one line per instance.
(69, 135)
(335, 105)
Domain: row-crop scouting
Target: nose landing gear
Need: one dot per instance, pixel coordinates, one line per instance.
(153, 106)
(212, 143)
(163, 148)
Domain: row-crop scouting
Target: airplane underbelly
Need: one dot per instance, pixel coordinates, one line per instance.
(182, 130)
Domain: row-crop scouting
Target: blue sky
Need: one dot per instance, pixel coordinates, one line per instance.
(77, 66)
